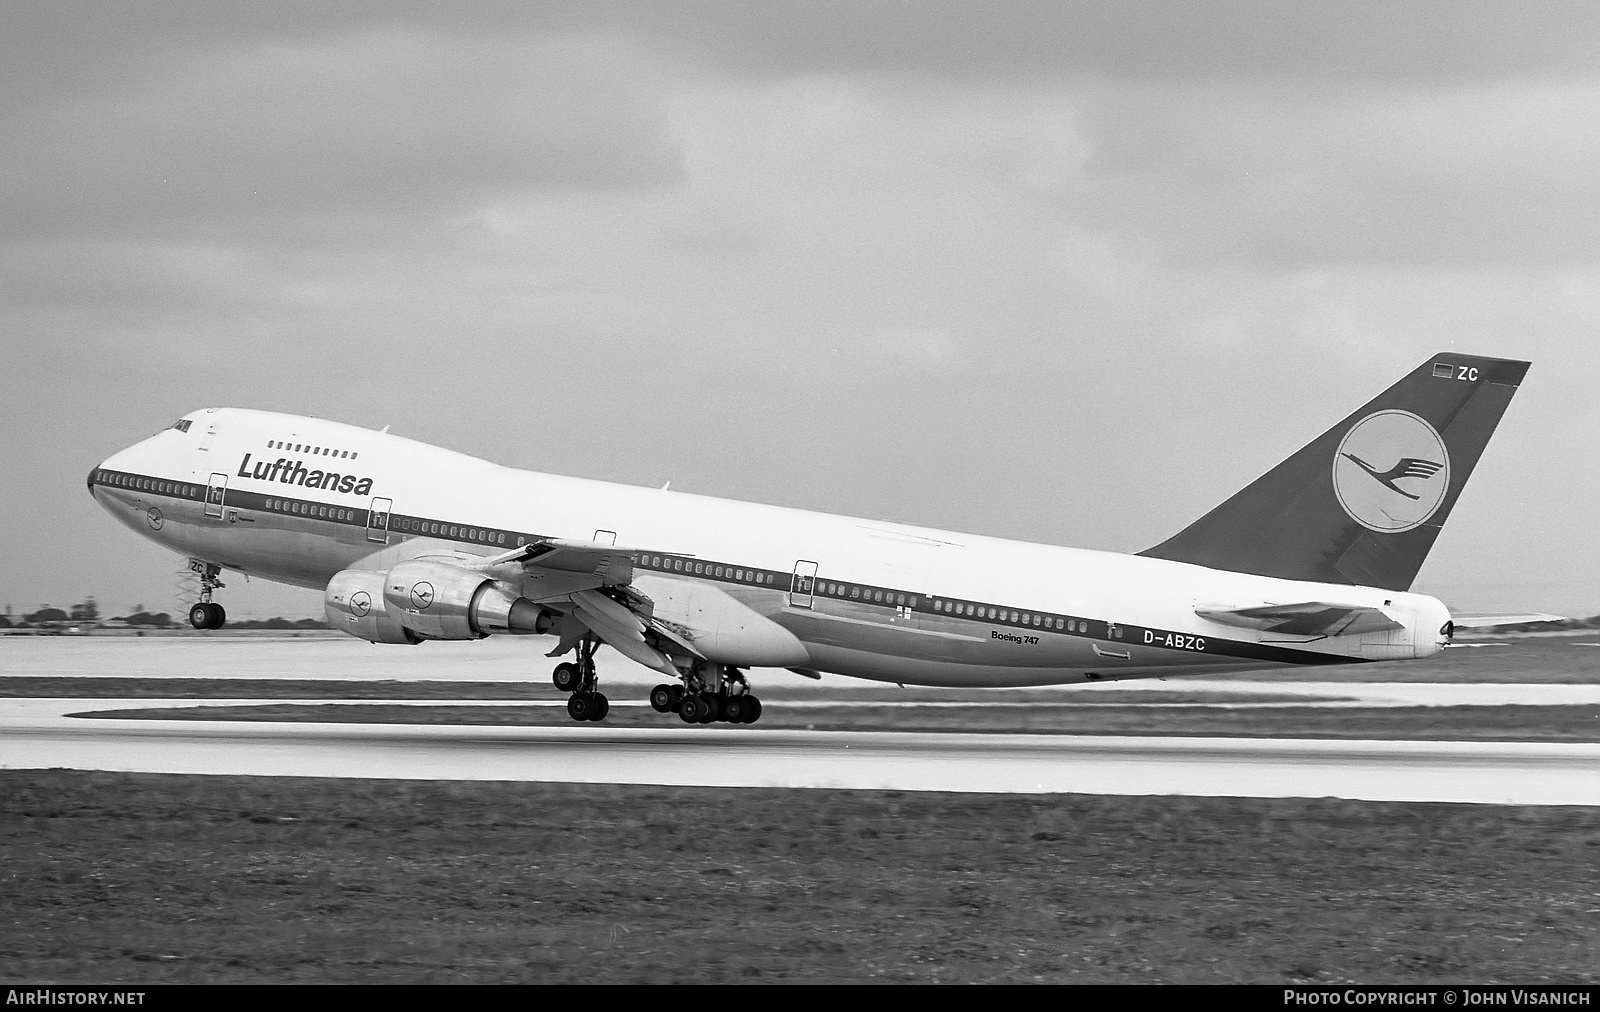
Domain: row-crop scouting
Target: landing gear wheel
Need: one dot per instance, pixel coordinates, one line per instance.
(589, 706)
(736, 710)
(567, 678)
(710, 708)
(752, 709)
(690, 710)
(662, 699)
(205, 615)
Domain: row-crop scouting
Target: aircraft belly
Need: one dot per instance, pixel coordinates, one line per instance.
(931, 650)
(945, 674)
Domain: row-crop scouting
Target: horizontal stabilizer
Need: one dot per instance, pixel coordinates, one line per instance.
(1490, 621)
(1308, 618)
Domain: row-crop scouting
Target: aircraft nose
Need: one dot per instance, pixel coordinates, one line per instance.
(94, 473)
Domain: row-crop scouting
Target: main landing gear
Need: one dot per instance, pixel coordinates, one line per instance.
(713, 694)
(587, 702)
(205, 613)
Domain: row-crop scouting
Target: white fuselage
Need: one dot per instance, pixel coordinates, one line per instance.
(884, 601)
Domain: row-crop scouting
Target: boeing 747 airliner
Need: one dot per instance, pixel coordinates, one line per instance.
(1309, 564)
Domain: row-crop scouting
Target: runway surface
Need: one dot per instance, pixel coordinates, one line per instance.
(37, 734)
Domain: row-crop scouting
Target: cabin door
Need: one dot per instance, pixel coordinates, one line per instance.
(802, 587)
(215, 493)
(378, 520)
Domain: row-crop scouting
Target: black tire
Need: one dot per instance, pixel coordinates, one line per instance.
(661, 699)
(200, 616)
(566, 677)
(580, 705)
(678, 692)
(735, 710)
(219, 617)
(690, 709)
(710, 708)
(602, 706)
(752, 711)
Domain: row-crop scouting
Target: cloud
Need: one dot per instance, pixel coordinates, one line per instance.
(384, 120)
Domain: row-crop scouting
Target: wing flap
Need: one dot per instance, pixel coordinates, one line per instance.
(620, 628)
(1305, 618)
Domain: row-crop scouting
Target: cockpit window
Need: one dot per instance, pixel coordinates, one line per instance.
(182, 425)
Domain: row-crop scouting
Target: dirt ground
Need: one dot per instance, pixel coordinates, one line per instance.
(149, 878)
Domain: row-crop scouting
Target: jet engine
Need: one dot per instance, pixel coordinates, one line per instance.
(424, 599)
(441, 601)
(354, 604)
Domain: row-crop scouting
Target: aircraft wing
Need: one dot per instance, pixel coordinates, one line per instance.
(613, 565)
(1306, 618)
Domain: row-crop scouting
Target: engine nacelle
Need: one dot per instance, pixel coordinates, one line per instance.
(441, 601)
(354, 604)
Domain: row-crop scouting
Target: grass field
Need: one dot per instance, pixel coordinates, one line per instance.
(148, 878)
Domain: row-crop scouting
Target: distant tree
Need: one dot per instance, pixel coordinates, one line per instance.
(5, 623)
(160, 619)
(86, 610)
(311, 623)
(46, 615)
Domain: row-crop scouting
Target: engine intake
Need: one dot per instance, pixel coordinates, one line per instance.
(354, 604)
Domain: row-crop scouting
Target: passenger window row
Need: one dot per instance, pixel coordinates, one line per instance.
(148, 484)
(311, 509)
(672, 564)
(481, 535)
(315, 451)
(968, 609)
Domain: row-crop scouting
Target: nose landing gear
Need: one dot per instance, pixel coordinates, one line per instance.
(205, 613)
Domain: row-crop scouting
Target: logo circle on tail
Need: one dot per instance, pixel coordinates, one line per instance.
(1391, 471)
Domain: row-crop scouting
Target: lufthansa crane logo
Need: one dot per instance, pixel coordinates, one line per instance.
(422, 595)
(361, 603)
(1391, 471)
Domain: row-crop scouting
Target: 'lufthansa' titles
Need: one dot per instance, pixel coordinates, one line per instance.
(295, 472)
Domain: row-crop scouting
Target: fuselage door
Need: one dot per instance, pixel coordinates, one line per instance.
(378, 520)
(215, 493)
(802, 586)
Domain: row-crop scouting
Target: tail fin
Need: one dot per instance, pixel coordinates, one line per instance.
(1363, 502)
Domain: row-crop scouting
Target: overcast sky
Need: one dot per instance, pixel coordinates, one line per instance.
(1071, 273)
